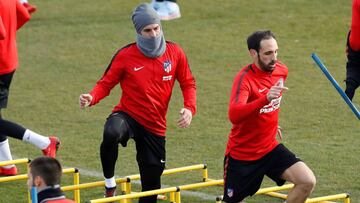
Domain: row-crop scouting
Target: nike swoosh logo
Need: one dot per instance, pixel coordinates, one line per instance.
(162, 161)
(261, 90)
(138, 68)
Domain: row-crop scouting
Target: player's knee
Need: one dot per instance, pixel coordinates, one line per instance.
(308, 185)
(110, 136)
(312, 183)
(116, 132)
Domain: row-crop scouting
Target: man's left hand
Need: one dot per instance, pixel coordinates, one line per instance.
(185, 118)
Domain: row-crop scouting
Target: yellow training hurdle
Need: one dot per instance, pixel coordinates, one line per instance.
(16, 161)
(272, 191)
(325, 199)
(126, 181)
(16, 177)
(174, 192)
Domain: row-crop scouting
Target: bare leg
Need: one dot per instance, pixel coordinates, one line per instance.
(304, 180)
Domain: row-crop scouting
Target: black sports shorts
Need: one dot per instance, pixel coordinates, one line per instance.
(5, 81)
(353, 71)
(353, 64)
(244, 178)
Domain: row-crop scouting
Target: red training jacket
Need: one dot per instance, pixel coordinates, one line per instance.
(147, 84)
(254, 118)
(13, 15)
(355, 26)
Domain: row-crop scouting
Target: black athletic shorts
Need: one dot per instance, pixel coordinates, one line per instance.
(150, 147)
(5, 81)
(244, 178)
(353, 64)
(353, 71)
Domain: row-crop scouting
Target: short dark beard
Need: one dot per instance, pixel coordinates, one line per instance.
(264, 67)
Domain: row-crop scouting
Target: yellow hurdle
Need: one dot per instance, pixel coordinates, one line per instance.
(271, 191)
(25, 176)
(284, 196)
(125, 182)
(174, 192)
(324, 199)
(178, 170)
(160, 191)
(16, 177)
(16, 161)
(344, 196)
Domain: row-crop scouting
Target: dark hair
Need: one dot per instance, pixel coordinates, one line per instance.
(49, 169)
(253, 41)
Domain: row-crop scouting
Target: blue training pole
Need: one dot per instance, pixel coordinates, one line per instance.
(33, 193)
(336, 85)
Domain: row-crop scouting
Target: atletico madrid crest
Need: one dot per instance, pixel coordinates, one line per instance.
(167, 66)
(230, 192)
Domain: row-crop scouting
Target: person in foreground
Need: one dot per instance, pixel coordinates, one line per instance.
(146, 71)
(12, 17)
(45, 174)
(252, 150)
(353, 52)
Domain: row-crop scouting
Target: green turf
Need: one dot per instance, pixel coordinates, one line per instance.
(67, 45)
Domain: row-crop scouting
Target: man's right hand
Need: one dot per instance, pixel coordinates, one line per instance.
(85, 100)
(275, 91)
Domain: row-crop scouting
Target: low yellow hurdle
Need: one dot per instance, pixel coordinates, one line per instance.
(126, 181)
(16, 161)
(175, 197)
(16, 177)
(272, 191)
(323, 199)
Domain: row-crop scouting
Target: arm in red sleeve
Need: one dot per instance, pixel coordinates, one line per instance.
(187, 83)
(239, 108)
(103, 87)
(2, 30)
(22, 14)
(355, 26)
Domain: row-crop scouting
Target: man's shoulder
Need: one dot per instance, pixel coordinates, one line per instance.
(171, 43)
(126, 48)
(281, 65)
(281, 68)
(243, 73)
(246, 69)
(173, 46)
(125, 51)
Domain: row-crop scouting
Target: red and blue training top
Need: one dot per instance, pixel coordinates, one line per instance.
(254, 118)
(147, 84)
